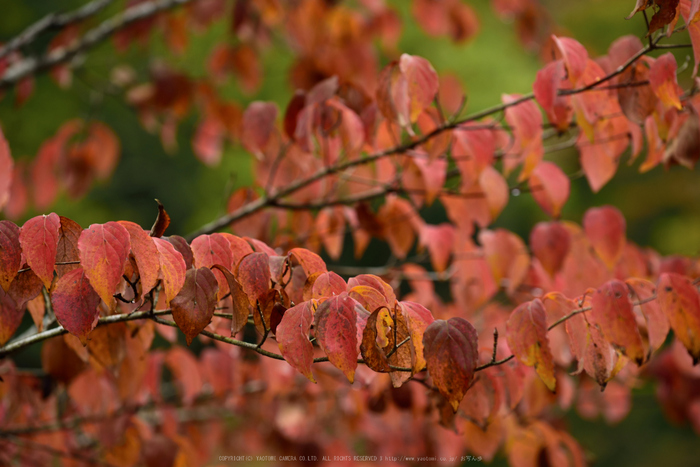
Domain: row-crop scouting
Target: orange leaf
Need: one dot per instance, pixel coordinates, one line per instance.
(10, 253)
(104, 249)
(662, 77)
(679, 299)
(172, 267)
(146, 254)
(612, 313)
(605, 229)
(550, 187)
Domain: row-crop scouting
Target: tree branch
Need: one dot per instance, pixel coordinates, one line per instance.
(32, 65)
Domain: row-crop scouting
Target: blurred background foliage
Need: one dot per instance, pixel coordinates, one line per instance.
(662, 207)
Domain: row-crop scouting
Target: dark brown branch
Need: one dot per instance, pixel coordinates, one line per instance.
(32, 65)
(52, 21)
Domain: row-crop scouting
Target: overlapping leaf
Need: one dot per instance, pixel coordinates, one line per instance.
(39, 240)
(680, 301)
(10, 253)
(526, 331)
(172, 267)
(336, 332)
(451, 352)
(104, 249)
(75, 304)
(605, 228)
(292, 336)
(146, 254)
(193, 307)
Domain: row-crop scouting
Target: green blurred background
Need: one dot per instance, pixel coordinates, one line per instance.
(662, 208)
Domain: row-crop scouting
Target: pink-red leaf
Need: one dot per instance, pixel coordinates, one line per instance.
(146, 254)
(39, 240)
(605, 228)
(75, 304)
(10, 253)
(335, 324)
(239, 301)
(680, 300)
(550, 187)
(612, 313)
(663, 81)
(10, 317)
(575, 56)
(526, 331)
(67, 248)
(172, 267)
(292, 336)
(193, 307)
(451, 352)
(550, 243)
(657, 322)
(254, 276)
(6, 169)
(104, 249)
(209, 250)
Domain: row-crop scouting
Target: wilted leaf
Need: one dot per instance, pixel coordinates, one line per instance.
(172, 267)
(680, 301)
(75, 304)
(451, 352)
(10, 253)
(378, 328)
(193, 307)
(292, 336)
(612, 312)
(161, 223)
(335, 324)
(526, 331)
(605, 228)
(39, 240)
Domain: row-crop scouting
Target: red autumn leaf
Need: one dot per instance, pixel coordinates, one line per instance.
(330, 227)
(605, 229)
(663, 81)
(417, 318)
(451, 352)
(575, 57)
(209, 250)
(181, 245)
(10, 253)
(377, 284)
(6, 166)
(39, 239)
(495, 189)
(507, 257)
(398, 219)
(24, 288)
(239, 301)
(596, 163)
(378, 340)
(335, 324)
(309, 261)
(193, 307)
(612, 313)
(439, 239)
(548, 82)
(146, 254)
(291, 114)
(684, 149)
(292, 337)
(328, 284)
(550, 243)
(75, 304)
(186, 371)
(526, 331)
(67, 248)
(680, 301)
(239, 249)
(657, 322)
(172, 267)
(208, 141)
(258, 126)
(550, 187)
(525, 119)
(254, 276)
(104, 249)
(10, 317)
(369, 297)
